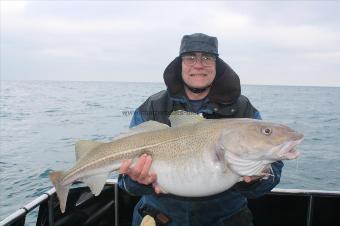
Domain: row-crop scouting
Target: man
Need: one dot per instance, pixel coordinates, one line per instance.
(197, 81)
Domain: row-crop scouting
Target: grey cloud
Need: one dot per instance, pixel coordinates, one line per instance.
(265, 42)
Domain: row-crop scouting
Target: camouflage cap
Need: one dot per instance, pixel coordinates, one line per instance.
(199, 42)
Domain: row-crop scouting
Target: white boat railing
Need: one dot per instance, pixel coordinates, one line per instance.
(28, 207)
(304, 191)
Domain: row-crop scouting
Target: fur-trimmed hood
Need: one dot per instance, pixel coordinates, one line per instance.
(225, 89)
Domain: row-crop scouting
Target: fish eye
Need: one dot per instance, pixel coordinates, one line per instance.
(266, 131)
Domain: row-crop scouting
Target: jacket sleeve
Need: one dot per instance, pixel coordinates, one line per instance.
(257, 115)
(258, 188)
(132, 187)
(137, 119)
(124, 181)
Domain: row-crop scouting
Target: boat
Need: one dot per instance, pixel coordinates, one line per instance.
(280, 207)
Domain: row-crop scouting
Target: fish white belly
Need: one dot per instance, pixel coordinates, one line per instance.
(193, 178)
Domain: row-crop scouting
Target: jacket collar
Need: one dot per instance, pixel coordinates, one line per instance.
(225, 89)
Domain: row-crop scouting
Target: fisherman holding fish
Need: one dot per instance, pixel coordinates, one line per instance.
(197, 81)
(195, 152)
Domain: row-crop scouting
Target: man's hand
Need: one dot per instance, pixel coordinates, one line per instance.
(264, 173)
(140, 172)
(249, 179)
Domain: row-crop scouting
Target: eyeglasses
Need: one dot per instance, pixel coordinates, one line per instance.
(191, 60)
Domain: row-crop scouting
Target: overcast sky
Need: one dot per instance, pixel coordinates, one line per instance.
(265, 42)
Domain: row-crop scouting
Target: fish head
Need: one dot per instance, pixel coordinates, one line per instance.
(258, 140)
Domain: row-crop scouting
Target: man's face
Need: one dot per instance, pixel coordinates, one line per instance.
(198, 69)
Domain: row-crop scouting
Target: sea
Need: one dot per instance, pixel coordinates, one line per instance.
(40, 122)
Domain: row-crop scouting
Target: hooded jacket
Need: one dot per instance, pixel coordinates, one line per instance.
(224, 99)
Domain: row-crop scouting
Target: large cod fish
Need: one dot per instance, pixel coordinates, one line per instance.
(193, 157)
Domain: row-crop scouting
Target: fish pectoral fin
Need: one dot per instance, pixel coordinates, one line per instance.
(143, 127)
(179, 118)
(83, 147)
(95, 182)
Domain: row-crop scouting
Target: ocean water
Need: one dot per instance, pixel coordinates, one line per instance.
(40, 121)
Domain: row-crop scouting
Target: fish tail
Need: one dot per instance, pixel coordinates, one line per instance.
(61, 189)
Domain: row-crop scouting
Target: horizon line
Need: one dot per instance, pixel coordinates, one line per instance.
(161, 82)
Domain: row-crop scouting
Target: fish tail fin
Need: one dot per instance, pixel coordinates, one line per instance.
(61, 189)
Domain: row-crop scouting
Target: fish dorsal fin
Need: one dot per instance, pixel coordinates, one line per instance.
(85, 146)
(149, 126)
(179, 118)
(143, 127)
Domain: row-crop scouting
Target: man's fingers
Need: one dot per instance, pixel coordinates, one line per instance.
(247, 179)
(140, 171)
(156, 188)
(124, 168)
(145, 171)
(137, 169)
(152, 177)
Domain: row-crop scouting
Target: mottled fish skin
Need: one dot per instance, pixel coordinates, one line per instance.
(195, 157)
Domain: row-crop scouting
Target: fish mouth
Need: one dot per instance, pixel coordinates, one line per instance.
(288, 150)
